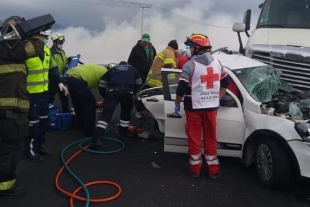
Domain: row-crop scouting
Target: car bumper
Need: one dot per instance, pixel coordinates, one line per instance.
(302, 153)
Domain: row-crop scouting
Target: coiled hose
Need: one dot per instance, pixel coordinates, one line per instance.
(84, 186)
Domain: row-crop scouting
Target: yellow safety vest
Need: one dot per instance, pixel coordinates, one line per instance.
(37, 79)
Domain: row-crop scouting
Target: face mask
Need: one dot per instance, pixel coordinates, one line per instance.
(60, 46)
(45, 41)
(188, 52)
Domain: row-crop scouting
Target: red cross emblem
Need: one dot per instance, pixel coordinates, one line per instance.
(210, 78)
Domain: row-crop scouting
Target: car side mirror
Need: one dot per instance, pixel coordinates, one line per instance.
(239, 27)
(247, 19)
(228, 101)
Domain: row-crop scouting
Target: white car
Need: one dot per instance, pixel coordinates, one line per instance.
(266, 134)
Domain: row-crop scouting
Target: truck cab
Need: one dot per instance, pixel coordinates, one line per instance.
(281, 39)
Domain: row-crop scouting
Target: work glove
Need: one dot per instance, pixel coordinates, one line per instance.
(177, 108)
(63, 88)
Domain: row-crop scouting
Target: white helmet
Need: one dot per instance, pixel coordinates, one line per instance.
(46, 32)
(57, 36)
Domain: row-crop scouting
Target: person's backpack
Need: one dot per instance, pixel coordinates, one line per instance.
(60, 120)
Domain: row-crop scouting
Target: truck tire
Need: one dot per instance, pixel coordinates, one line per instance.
(272, 163)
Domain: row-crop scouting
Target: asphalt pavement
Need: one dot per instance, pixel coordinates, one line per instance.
(148, 177)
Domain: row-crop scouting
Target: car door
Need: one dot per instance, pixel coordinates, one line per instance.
(230, 121)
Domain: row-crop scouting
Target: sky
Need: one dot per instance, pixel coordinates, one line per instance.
(103, 31)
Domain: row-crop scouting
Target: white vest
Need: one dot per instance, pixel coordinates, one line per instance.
(205, 85)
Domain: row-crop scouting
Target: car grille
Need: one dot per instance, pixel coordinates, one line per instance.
(295, 66)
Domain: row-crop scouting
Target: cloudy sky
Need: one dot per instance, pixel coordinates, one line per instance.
(103, 31)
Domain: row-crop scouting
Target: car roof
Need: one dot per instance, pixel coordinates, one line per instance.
(236, 61)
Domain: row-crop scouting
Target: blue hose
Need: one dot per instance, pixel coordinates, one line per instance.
(85, 140)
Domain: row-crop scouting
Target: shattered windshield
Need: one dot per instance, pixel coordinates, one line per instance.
(285, 14)
(261, 82)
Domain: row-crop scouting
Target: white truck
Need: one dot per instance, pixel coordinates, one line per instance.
(281, 39)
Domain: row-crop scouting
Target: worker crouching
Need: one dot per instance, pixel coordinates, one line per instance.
(117, 86)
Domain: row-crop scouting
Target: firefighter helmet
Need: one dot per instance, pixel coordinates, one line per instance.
(199, 41)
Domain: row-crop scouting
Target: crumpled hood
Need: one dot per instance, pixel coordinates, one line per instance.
(204, 59)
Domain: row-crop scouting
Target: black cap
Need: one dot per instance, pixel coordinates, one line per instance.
(173, 44)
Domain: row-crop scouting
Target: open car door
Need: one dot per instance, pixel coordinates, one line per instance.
(230, 121)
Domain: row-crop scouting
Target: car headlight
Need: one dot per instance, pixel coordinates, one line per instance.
(303, 129)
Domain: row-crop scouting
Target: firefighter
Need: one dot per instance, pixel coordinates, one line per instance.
(117, 86)
(80, 81)
(62, 61)
(41, 70)
(203, 82)
(14, 106)
(164, 59)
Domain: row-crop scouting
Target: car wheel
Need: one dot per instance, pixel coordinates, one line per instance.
(272, 163)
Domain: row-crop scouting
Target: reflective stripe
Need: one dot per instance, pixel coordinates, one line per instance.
(7, 185)
(170, 61)
(14, 102)
(29, 48)
(196, 157)
(43, 117)
(102, 124)
(195, 162)
(102, 85)
(160, 56)
(124, 122)
(12, 68)
(35, 83)
(171, 76)
(34, 122)
(154, 82)
(210, 157)
(31, 72)
(214, 162)
(31, 147)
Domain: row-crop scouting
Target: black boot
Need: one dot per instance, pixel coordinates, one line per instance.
(16, 189)
(123, 132)
(96, 142)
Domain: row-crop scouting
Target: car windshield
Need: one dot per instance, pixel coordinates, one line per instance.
(285, 14)
(261, 82)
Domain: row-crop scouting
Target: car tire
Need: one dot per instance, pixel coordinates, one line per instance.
(272, 163)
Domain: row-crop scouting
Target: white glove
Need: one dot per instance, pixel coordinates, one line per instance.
(63, 88)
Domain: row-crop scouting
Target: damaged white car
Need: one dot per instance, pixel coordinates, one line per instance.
(261, 119)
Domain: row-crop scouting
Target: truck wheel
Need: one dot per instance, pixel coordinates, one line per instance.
(272, 163)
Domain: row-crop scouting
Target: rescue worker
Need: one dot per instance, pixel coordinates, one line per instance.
(164, 59)
(203, 82)
(116, 86)
(14, 106)
(41, 70)
(80, 81)
(62, 61)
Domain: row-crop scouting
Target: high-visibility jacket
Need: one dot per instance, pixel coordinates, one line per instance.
(60, 58)
(13, 74)
(166, 58)
(37, 79)
(91, 73)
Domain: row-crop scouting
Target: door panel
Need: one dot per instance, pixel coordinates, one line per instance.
(230, 123)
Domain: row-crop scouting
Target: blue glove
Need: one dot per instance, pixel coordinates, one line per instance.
(177, 108)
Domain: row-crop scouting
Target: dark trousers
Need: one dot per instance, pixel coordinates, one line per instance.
(38, 122)
(84, 104)
(14, 127)
(112, 98)
(53, 89)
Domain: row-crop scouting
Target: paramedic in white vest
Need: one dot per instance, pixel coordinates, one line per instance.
(202, 83)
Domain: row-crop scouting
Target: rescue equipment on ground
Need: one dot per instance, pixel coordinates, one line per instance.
(60, 120)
